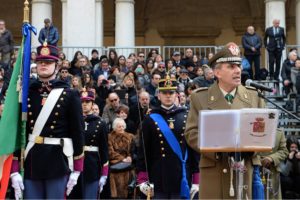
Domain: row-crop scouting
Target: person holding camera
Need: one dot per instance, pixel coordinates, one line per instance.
(290, 171)
(274, 42)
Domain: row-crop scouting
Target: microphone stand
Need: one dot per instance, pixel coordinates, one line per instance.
(260, 94)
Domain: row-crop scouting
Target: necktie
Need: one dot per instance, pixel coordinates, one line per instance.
(229, 97)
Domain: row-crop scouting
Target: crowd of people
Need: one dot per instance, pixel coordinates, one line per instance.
(123, 145)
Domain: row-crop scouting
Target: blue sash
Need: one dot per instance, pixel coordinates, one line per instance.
(172, 141)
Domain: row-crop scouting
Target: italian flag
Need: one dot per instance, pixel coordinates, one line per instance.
(10, 126)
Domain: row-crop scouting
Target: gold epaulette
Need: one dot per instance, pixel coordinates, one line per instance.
(200, 89)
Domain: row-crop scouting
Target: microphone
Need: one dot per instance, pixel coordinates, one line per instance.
(258, 86)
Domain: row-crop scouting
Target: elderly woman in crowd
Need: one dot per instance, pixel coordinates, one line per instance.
(120, 149)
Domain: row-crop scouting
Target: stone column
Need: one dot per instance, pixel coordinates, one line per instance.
(125, 30)
(275, 9)
(64, 21)
(41, 9)
(79, 25)
(298, 22)
(99, 23)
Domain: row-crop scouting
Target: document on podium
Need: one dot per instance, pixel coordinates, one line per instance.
(249, 129)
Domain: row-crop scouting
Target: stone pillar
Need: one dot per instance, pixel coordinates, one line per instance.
(298, 22)
(79, 24)
(275, 9)
(64, 21)
(125, 30)
(99, 23)
(41, 9)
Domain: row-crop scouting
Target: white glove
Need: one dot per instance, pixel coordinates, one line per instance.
(194, 190)
(72, 181)
(145, 187)
(102, 182)
(17, 184)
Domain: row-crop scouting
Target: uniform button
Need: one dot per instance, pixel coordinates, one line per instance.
(31, 128)
(180, 142)
(31, 121)
(162, 148)
(62, 99)
(28, 99)
(185, 116)
(161, 142)
(92, 140)
(158, 129)
(30, 113)
(184, 121)
(96, 131)
(58, 105)
(160, 135)
(97, 126)
(50, 135)
(52, 127)
(182, 134)
(183, 128)
(29, 106)
(155, 123)
(54, 122)
(99, 122)
(163, 155)
(64, 93)
(56, 113)
(94, 135)
(225, 171)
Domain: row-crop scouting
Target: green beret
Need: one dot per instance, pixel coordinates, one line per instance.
(229, 54)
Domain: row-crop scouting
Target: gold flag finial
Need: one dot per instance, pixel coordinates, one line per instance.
(26, 12)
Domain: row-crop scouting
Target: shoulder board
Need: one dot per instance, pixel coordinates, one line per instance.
(200, 89)
(250, 88)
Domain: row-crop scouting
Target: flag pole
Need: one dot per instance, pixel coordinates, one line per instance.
(24, 114)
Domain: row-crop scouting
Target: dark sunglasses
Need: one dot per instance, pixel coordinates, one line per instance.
(112, 100)
(64, 72)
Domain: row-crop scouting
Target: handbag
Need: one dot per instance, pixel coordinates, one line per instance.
(120, 167)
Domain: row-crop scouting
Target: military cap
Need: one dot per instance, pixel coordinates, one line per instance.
(87, 95)
(229, 54)
(47, 52)
(167, 84)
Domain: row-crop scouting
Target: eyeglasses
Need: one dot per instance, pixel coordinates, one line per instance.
(161, 67)
(64, 72)
(112, 100)
(142, 56)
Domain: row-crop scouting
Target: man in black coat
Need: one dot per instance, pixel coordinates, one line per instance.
(54, 149)
(252, 43)
(275, 45)
(157, 161)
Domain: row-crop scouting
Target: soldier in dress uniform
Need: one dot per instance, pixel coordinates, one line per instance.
(95, 171)
(226, 93)
(54, 146)
(164, 158)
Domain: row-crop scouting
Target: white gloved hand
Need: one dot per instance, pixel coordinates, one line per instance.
(102, 182)
(145, 187)
(194, 190)
(72, 181)
(17, 184)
